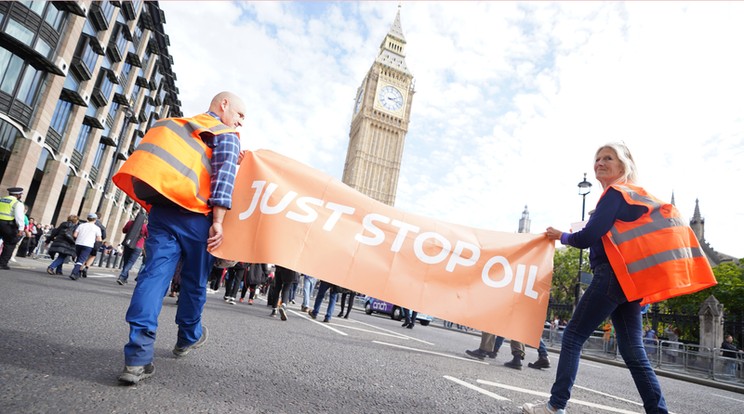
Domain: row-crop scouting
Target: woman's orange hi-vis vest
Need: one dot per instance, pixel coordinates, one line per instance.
(656, 257)
(173, 160)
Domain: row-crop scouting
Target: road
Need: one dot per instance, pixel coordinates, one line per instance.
(61, 349)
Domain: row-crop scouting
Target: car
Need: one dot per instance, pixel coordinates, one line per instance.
(373, 305)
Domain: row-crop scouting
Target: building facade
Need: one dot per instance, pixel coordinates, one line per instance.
(80, 82)
(380, 120)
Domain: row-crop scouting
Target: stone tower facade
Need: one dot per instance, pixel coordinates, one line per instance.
(379, 123)
(524, 222)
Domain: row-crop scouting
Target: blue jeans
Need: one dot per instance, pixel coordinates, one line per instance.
(542, 351)
(603, 298)
(174, 234)
(129, 258)
(308, 285)
(292, 290)
(58, 262)
(324, 287)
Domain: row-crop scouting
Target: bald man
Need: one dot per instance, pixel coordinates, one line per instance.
(187, 201)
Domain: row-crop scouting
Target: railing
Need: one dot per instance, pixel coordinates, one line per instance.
(689, 359)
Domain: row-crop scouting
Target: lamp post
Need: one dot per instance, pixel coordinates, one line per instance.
(128, 115)
(584, 188)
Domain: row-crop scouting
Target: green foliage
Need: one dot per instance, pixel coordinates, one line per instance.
(728, 291)
(565, 272)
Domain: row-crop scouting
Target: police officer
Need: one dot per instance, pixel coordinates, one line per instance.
(11, 223)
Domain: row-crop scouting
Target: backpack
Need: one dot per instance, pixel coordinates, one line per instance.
(134, 233)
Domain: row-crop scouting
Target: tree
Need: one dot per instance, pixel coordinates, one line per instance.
(565, 271)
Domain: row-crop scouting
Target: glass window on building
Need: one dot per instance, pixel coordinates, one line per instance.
(20, 32)
(99, 156)
(83, 137)
(10, 70)
(30, 85)
(61, 116)
(35, 6)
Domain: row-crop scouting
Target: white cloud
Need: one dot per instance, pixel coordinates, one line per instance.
(512, 99)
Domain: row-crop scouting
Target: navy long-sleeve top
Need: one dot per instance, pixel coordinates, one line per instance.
(611, 207)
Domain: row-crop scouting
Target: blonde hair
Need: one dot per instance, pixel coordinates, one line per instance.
(630, 171)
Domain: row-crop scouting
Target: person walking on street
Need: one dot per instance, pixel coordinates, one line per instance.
(62, 243)
(308, 285)
(633, 240)
(86, 235)
(12, 223)
(283, 278)
(96, 247)
(186, 211)
(131, 254)
(322, 289)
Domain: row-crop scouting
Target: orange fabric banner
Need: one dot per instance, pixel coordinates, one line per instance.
(287, 213)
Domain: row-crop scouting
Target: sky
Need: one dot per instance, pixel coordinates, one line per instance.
(511, 99)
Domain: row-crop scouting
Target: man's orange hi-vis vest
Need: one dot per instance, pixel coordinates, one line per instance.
(173, 160)
(656, 257)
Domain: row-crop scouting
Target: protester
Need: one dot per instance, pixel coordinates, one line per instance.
(255, 276)
(62, 241)
(322, 289)
(86, 235)
(132, 253)
(308, 285)
(12, 223)
(96, 247)
(185, 222)
(625, 220)
(283, 279)
(350, 294)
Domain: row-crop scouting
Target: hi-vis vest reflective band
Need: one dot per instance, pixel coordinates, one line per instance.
(174, 161)
(656, 257)
(6, 208)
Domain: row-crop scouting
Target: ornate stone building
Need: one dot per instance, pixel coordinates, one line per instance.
(380, 121)
(697, 222)
(80, 82)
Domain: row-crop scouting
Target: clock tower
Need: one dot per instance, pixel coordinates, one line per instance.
(382, 110)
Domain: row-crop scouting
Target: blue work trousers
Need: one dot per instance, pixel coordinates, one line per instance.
(604, 297)
(174, 235)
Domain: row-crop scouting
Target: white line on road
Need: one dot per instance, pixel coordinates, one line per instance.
(546, 395)
(394, 333)
(323, 324)
(430, 352)
(586, 364)
(608, 395)
(728, 398)
(473, 387)
(372, 331)
(101, 275)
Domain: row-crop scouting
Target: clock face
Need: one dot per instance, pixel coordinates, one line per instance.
(390, 98)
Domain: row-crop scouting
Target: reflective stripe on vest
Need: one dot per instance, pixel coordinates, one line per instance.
(657, 256)
(6, 208)
(174, 161)
(658, 222)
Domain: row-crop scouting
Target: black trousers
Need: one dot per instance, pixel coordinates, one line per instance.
(9, 234)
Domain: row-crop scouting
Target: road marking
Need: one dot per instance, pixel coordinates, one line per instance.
(728, 398)
(430, 352)
(323, 324)
(546, 395)
(402, 336)
(479, 389)
(608, 395)
(586, 364)
(101, 275)
(374, 332)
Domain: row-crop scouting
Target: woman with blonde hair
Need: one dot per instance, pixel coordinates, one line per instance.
(640, 251)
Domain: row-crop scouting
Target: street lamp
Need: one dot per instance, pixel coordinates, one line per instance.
(128, 116)
(584, 188)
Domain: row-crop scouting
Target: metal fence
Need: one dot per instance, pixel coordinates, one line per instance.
(689, 359)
